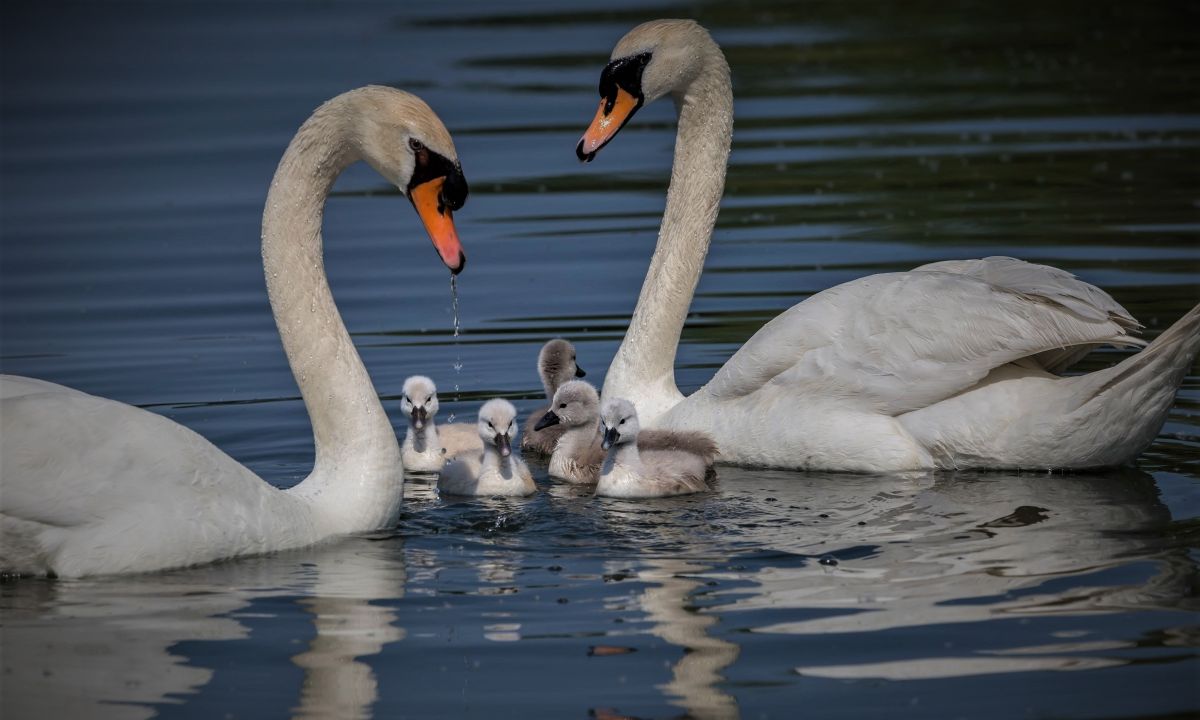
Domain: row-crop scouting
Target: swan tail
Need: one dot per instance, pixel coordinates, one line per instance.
(1133, 398)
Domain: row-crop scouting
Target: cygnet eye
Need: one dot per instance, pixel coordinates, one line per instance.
(490, 427)
(622, 421)
(561, 406)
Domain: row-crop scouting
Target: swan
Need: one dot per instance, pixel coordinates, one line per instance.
(93, 486)
(499, 470)
(578, 456)
(427, 445)
(556, 365)
(954, 364)
(627, 473)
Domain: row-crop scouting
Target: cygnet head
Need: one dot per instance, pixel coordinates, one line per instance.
(653, 59)
(498, 425)
(618, 422)
(401, 137)
(575, 404)
(420, 401)
(556, 363)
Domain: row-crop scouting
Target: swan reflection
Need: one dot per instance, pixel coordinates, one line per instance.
(962, 548)
(110, 647)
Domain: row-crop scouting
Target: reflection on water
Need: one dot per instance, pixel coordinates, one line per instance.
(870, 136)
(768, 556)
(695, 677)
(110, 648)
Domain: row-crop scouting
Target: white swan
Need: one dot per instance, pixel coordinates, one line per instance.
(498, 470)
(950, 365)
(93, 486)
(426, 444)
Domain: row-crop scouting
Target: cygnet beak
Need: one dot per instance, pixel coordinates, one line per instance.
(504, 444)
(547, 420)
(418, 417)
(579, 372)
(611, 436)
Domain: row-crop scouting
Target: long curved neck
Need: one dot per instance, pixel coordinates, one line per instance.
(643, 370)
(357, 472)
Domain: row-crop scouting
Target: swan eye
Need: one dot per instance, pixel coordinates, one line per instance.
(490, 427)
(415, 144)
(622, 421)
(561, 406)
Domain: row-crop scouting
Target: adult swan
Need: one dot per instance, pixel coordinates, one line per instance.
(951, 365)
(93, 486)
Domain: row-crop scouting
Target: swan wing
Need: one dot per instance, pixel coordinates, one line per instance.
(895, 342)
(1063, 288)
(69, 459)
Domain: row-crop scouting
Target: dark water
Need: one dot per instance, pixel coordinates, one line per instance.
(138, 141)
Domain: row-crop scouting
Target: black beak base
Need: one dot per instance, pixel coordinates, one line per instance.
(579, 372)
(547, 420)
(419, 415)
(503, 444)
(611, 436)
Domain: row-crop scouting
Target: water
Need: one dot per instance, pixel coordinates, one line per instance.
(138, 142)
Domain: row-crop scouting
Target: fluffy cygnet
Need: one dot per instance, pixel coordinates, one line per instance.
(556, 365)
(426, 445)
(630, 473)
(578, 455)
(498, 470)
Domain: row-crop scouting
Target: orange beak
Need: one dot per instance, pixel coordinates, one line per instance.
(439, 222)
(608, 120)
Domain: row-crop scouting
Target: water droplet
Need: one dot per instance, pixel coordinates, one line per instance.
(454, 302)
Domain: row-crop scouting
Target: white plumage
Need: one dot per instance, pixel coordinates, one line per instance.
(950, 365)
(90, 485)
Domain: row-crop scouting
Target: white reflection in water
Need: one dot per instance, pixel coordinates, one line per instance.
(103, 648)
(960, 549)
(695, 676)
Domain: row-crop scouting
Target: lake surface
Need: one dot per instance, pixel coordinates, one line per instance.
(138, 143)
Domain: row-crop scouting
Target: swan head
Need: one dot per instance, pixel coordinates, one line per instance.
(652, 60)
(575, 404)
(498, 425)
(401, 137)
(556, 363)
(420, 401)
(618, 422)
